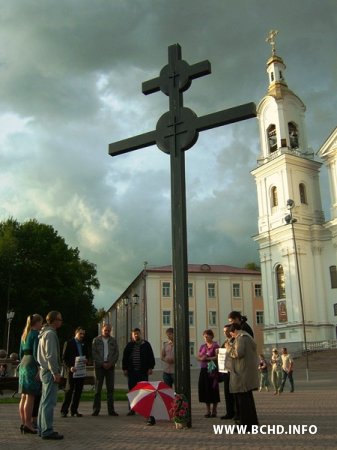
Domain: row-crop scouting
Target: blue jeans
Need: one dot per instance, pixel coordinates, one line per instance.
(47, 404)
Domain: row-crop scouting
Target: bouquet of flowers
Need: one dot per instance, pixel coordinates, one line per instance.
(180, 410)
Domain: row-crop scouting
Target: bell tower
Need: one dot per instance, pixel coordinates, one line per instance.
(290, 251)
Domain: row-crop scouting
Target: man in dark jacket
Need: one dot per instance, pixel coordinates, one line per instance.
(138, 360)
(73, 348)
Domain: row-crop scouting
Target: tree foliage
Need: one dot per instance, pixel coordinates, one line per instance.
(39, 272)
(252, 266)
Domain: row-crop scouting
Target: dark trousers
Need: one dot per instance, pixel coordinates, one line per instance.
(72, 395)
(229, 398)
(286, 375)
(134, 376)
(246, 409)
(108, 375)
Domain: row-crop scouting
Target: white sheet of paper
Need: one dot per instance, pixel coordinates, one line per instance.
(80, 366)
(222, 360)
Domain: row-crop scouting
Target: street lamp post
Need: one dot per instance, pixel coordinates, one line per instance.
(10, 317)
(290, 220)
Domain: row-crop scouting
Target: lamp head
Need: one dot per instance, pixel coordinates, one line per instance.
(290, 204)
(135, 299)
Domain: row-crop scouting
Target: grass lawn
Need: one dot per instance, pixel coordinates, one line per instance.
(87, 396)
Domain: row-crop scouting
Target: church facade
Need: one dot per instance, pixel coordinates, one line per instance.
(297, 247)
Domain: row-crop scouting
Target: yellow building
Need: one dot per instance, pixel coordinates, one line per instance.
(213, 290)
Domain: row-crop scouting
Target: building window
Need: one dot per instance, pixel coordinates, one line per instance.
(192, 349)
(166, 318)
(190, 289)
(280, 282)
(272, 139)
(293, 135)
(259, 315)
(258, 290)
(335, 309)
(191, 318)
(212, 318)
(166, 289)
(282, 335)
(303, 194)
(333, 277)
(211, 290)
(236, 290)
(274, 197)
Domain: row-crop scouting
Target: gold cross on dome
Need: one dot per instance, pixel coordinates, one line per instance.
(271, 39)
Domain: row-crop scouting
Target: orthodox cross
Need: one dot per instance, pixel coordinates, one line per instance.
(271, 39)
(176, 131)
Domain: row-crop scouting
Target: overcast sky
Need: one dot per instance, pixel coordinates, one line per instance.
(70, 83)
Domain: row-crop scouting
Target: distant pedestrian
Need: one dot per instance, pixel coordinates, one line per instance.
(167, 356)
(276, 371)
(48, 356)
(74, 348)
(287, 369)
(138, 360)
(105, 355)
(236, 317)
(263, 369)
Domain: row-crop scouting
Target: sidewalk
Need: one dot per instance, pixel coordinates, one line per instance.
(313, 403)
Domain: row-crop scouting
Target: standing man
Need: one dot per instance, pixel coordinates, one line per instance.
(167, 356)
(287, 370)
(74, 348)
(229, 397)
(138, 360)
(48, 356)
(105, 355)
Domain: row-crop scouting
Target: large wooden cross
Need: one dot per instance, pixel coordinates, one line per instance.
(176, 131)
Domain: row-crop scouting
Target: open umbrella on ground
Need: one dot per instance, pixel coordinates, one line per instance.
(152, 398)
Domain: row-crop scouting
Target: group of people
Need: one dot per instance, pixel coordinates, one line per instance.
(282, 366)
(42, 368)
(240, 375)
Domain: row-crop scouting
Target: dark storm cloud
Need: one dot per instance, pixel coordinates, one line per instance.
(70, 83)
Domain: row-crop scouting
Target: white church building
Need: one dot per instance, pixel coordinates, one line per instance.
(297, 247)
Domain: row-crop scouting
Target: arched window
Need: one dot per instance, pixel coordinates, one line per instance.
(272, 138)
(280, 282)
(293, 135)
(303, 194)
(274, 197)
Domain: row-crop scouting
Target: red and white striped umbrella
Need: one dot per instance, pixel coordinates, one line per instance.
(152, 398)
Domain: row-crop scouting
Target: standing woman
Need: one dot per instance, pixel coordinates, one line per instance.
(208, 386)
(29, 381)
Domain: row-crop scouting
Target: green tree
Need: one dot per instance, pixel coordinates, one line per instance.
(252, 266)
(39, 272)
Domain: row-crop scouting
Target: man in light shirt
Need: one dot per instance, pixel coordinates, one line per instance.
(287, 370)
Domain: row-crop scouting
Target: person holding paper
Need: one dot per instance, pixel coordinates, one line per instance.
(75, 354)
(229, 397)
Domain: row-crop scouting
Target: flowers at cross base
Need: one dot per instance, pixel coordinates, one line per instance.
(180, 409)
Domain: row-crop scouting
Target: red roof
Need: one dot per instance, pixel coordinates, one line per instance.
(207, 268)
